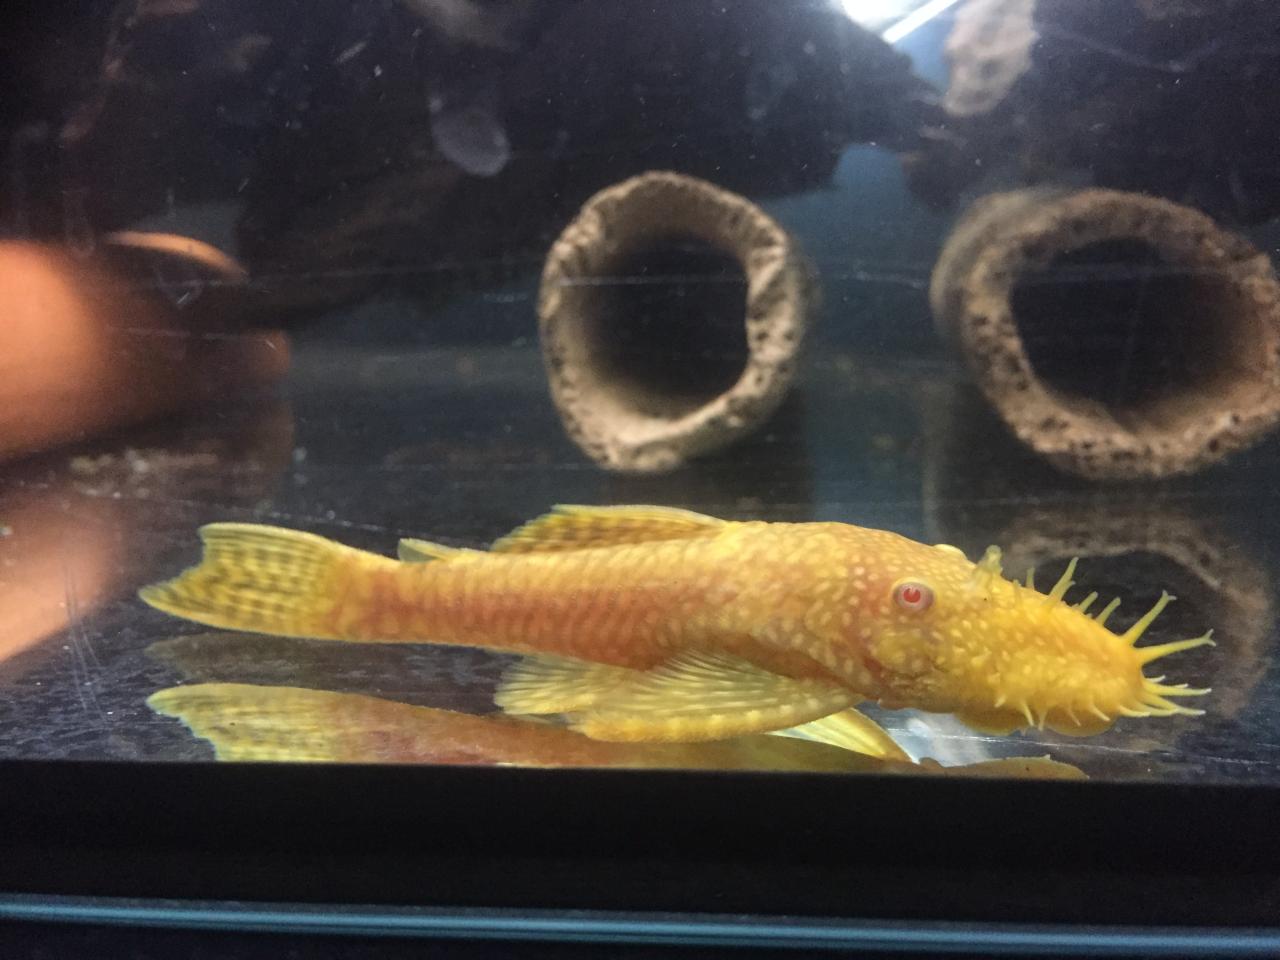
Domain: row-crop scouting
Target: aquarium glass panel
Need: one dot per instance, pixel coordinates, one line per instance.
(847, 386)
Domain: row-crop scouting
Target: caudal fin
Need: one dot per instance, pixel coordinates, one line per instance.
(263, 579)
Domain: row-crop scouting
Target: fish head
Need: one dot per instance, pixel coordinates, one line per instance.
(958, 637)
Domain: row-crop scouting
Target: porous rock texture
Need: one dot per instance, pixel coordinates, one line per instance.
(622, 419)
(1118, 335)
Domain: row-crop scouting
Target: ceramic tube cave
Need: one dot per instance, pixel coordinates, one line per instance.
(1118, 335)
(670, 314)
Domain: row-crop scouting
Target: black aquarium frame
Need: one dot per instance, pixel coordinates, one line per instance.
(768, 845)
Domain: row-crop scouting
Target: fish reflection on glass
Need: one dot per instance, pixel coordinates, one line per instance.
(245, 722)
(654, 624)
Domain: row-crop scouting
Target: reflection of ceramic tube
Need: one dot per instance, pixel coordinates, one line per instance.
(1118, 335)
(627, 417)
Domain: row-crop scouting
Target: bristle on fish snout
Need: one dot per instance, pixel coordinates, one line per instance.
(1153, 699)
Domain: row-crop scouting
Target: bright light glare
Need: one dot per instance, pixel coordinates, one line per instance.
(894, 18)
(873, 13)
(917, 18)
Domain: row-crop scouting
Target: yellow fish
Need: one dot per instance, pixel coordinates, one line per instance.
(653, 624)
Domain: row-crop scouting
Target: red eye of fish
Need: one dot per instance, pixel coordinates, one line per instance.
(913, 596)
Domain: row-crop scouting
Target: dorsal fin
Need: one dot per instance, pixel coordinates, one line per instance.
(580, 528)
(419, 551)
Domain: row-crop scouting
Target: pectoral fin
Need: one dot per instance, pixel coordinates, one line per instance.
(851, 730)
(707, 696)
(542, 684)
(998, 723)
(1001, 723)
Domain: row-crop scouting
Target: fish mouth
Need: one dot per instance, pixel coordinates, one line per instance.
(1081, 710)
(1152, 698)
